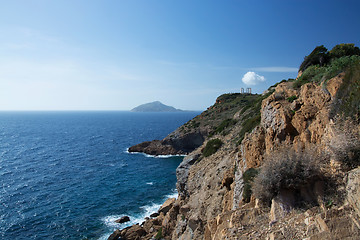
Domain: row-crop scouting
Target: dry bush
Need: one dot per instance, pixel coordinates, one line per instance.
(286, 169)
(344, 142)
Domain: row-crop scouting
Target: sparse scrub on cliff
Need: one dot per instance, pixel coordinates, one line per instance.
(225, 124)
(286, 169)
(292, 98)
(345, 142)
(159, 234)
(248, 125)
(253, 116)
(211, 147)
(248, 177)
(347, 101)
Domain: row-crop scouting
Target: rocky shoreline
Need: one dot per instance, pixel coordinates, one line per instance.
(151, 224)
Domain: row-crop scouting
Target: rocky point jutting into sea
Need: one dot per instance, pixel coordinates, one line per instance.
(279, 165)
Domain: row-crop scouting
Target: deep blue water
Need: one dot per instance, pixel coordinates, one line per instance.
(67, 175)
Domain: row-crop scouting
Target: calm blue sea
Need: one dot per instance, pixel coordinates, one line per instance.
(67, 175)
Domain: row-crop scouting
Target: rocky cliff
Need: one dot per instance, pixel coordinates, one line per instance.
(282, 165)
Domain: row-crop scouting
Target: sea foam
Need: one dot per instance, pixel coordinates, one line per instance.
(147, 210)
(155, 156)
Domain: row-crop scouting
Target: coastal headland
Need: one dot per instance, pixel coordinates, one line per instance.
(283, 164)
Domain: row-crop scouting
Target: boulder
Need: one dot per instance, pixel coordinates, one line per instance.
(353, 189)
(281, 205)
(153, 215)
(123, 219)
(133, 232)
(182, 173)
(167, 205)
(115, 235)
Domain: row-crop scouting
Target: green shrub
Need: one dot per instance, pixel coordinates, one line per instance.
(286, 169)
(342, 50)
(159, 234)
(316, 73)
(319, 56)
(211, 147)
(248, 177)
(292, 98)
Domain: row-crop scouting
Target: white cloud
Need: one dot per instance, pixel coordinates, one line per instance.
(251, 78)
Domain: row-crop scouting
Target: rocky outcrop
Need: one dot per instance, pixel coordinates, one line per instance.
(353, 189)
(123, 219)
(212, 203)
(174, 144)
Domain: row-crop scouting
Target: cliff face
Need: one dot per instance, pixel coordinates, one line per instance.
(214, 198)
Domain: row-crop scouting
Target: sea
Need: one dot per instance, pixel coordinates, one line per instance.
(68, 175)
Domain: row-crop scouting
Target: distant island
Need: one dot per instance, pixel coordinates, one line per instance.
(155, 107)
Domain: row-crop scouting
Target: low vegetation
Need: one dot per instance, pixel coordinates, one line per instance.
(211, 147)
(319, 73)
(252, 116)
(248, 177)
(223, 125)
(347, 101)
(321, 64)
(345, 142)
(320, 56)
(286, 169)
(292, 98)
(159, 234)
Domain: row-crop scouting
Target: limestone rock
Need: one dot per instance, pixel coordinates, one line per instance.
(134, 232)
(281, 205)
(115, 235)
(167, 205)
(182, 172)
(210, 188)
(334, 84)
(353, 189)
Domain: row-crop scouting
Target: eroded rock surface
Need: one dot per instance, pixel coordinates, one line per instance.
(211, 205)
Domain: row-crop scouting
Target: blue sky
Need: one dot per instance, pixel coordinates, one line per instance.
(117, 54)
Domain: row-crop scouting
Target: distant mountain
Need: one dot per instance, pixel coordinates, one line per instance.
(155, 107)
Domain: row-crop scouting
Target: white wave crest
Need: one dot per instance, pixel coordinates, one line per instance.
(147, 210)
(155, 156)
